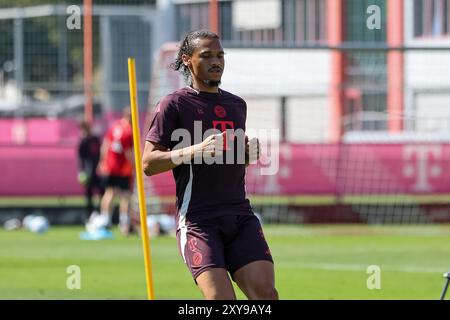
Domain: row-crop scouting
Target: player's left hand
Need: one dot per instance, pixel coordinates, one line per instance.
(252, 149)
(83, 178)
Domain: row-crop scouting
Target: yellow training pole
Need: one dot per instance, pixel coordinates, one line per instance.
(139, 178)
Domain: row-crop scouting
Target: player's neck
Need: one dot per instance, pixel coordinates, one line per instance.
(199, 86)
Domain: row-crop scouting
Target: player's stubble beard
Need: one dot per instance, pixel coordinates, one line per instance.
(212, 83)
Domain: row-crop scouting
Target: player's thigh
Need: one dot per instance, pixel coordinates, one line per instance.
(123, 192)
(247, 245)
(202, 249)
(123, 184)
(248, 257)
(120, 185)
(257, 280)
(110, 183)
(110, 192)
(215, 284)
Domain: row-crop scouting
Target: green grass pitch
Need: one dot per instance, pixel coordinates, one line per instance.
(311, 262)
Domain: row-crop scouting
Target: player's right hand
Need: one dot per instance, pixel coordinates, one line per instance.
(213, 145)
(252, 149)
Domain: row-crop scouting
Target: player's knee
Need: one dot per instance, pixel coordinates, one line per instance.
(217, 295)
(266, 292)
(272, 294)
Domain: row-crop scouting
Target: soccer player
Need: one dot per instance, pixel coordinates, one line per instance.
(218, 234)
(116, 165)
(88, 159)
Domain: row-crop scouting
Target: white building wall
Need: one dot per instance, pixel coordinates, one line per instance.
(269, 72)
(263, 113)
(308, 119)
(262, 76)
(427, 79)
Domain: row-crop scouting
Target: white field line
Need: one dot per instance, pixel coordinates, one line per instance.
(363, 268)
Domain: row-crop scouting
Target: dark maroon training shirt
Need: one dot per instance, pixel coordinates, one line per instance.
(203, 190)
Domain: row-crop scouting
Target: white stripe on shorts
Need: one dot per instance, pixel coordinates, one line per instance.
(182, 214)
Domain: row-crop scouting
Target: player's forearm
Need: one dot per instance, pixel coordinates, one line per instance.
(158, 161)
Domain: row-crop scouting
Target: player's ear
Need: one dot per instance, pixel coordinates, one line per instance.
(186, 60)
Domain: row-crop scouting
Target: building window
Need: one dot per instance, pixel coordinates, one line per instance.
(431, 18)
(355, 16)
(191, 16)
(302, 21)
(195, 15)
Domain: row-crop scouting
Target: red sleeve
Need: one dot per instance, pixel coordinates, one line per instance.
(108, 134)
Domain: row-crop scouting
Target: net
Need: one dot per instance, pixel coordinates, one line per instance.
(370, 175)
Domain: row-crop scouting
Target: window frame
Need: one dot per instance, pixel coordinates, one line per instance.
(425, 13)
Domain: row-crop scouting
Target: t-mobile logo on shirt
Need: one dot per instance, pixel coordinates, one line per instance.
(225, 126)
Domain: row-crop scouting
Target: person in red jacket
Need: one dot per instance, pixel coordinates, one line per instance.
(116, 165)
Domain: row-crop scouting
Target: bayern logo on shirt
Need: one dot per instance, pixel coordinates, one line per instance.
(220, 111)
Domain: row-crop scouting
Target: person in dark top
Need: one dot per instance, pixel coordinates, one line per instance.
(198, 132)
(88, 159)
